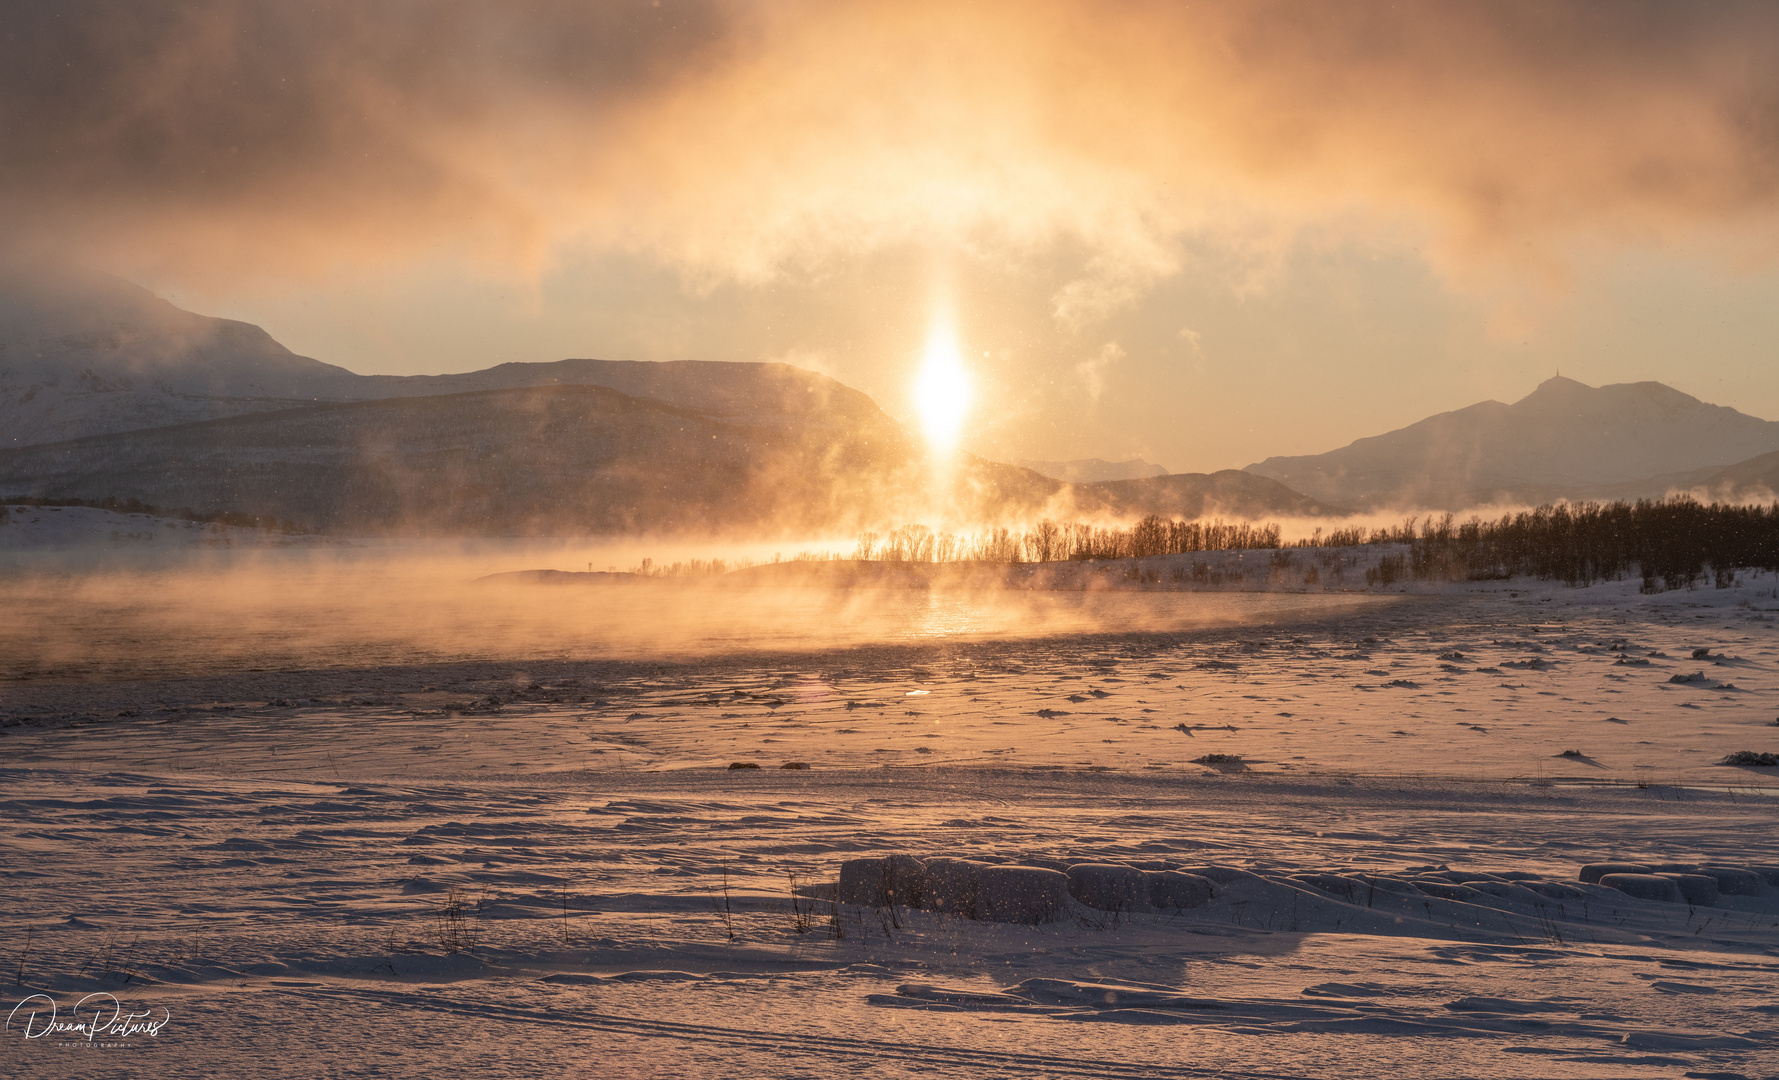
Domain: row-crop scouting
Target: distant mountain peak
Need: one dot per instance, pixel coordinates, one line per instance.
(1608, 395)
(1565, 439)
(1558, 384)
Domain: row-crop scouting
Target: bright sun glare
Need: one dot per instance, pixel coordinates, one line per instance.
(942, 389)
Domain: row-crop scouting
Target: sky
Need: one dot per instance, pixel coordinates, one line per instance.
(1202, 234)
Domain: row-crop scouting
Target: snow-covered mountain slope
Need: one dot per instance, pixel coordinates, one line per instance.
(581, 460)
(575, 459)
(1757, 478)
(1095, 470)
(1228, 493)
(86, 354)
(1564, 440)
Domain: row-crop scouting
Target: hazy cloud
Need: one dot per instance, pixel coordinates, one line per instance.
(1092, 371)
(739, 141)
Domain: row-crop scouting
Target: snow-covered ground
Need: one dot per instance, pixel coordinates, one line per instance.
(56, 528)
(524, 854)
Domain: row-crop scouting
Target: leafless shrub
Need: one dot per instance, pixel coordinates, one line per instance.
(728, 908)
(836, 924)
(452, 929)
(1752, 757)
(18, 973)
(802, 906)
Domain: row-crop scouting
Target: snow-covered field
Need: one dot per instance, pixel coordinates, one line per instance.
(495, 832)
(55, 528)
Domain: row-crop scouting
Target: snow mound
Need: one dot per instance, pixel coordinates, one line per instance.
(1645, 887)
(1292, 899)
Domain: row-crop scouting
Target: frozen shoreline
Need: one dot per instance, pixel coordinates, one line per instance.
(267, 856)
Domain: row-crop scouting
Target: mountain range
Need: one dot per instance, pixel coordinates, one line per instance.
(109, 391)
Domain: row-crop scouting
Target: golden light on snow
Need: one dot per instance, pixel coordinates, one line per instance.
(942, 390)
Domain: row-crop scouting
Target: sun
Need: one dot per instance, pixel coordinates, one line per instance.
(942, 390)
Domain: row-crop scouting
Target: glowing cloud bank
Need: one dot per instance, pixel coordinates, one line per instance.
(738, 140)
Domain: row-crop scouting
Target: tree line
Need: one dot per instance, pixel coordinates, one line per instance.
(1668, 541)
(1051, 541)
(1673, 542)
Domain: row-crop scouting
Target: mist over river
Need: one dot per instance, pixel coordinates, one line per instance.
(75, 619)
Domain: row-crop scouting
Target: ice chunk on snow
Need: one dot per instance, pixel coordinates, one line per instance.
(1109, 886)
(1221, 875)
(1100, 995)
(1173, 889)
(892, 879)
(955, 996)
(1593, 872)
(1771, 873)
(1021, 894)
(1645, 887)
(1734, 881)
(952, 886)
(1700, 890)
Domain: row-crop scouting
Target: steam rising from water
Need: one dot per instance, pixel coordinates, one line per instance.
(216, 614)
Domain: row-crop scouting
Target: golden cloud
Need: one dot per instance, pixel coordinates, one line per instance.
(739, 141)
